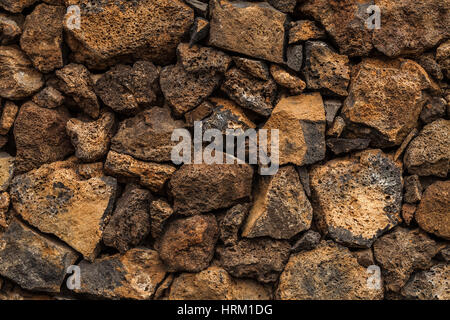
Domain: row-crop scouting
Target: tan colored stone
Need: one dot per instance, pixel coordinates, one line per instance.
(413, 189)
(160, 212)
(16, 6)
(199, 113)
(408, 211)
(256, 68)
(287, 79)
(48, 97)
(432, 284)
(304, 30)
(443, 57)
(11, 27)
(9, 114)
(197, 59)
(230, 223)
(7, 169)
(4, 207)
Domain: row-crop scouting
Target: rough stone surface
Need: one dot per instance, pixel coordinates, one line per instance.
(328, 272)
(188, 243)
(304, 30)
(4, 206)
(11, 27)
(433, 109)
(7, 169)
(287, 79)
(76, 207)
(48, 97)
(331, 109)
(443, 58)
(413, 189)
(231, 222)
(160, 212)
(199, 59)
(308, 241)
(433, 284)
(8, 117)
(408, 211)
(256, 68)
(357, 199)
(199, 113)
(339, 146)
(16, 6)
(294, 56)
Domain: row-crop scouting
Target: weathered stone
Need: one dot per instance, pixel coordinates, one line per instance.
(339, 146)
(200, 7)
(42, 37)
(287, 79)
(162, 291)
(198, 59)
(386, 107)
(48, 97)
(332, 107)
(40, 136)
(429, 152)
(428, 62)
(183, 90)
(199, 113)
(249, 92)
(18, 79)
(408, 211)
(255, 68)
(253, 29)
(11, 27)
(405, 143)
(364, 257)
(188, 243)
(328, 272)
(336, 128)
(325, 69)
(231, 222)
(413, 189)
(76, 82)
(7, 169)
(357, 199)
(433, 212)
(4, 207)
(301, 124)
(215, 283)
(9, 113)
(410, 27)
(345, 21)
(147, 136)
(16, 6)
(433, 284)
(148, 174)
(91, 139)
(304, 30)
(199, 30)
(294, 56)
(443, 58)
(434, 109)
(130, 222)
(308, 241)
(280, 209)
(286, 6)
(32, 260)
(160, 212)
(262, 259)
(134, 275)
(76, 207)
(304, 179)
(109, 31)
(401, 252)
(197, 188)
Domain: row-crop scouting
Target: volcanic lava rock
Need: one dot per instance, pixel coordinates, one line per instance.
(199, 30)
(301, 124)
(254, 29)
(32, 260)
(401, 252)
(130, 222)
(18, 79)
(429, 63)
(198, 59)
(294, 56)
(287, 79)
(432, 284)
(280, 209)
(331, 109)
(433, 212)
(339, 146)
(255, 68)
(6, 170)
(443, 58)
(304, 30)
(328, 272)
(48, 97)
(147, 30)
(134, 275)
(4, 207)
(286, 6)
(16, 6)
(8, 117)
(199, 113)
(11, 27)
(385, 107)
(188, 243)
(160, 212)
(231, 222)
(357, 199)
(308, 241)
(413, 189)
(76, 206)
(40, 136)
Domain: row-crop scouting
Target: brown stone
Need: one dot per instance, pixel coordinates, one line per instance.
(443, 58)
(280, 209)
(408, 211)
(365, 257)
(11, 27)
(16, 6)
(286, 6)
(304, 30)
(339, 146)
(308, 241)
(255, 68)
(429, 63)
(301, 124)
(287, 79)
(413, 189)
(76, 207)
(199, 113)
(198, 59)
(9, 114)
(336, 128)
(253, 29)
(328, 272)
(48, 97)
(294, 56)
(385, 107)
(433, 212)
(332, 108)
(433, 110)
(147, 30)
(357, 199)
(199, 30)
(40, 136)
(432, 284)
(188, 243)
(160, 212)
(4, 207)
(401, 252)
(231, 222)
(7, 168)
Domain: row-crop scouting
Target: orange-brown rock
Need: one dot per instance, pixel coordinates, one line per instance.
(304, 30)
(8, 117)
(255, 68)
(4, 207)
(197, 59)
(356, 199)
(11, 27)
(230, 223)
(328, 272)
(48, 97)
(432, 284)
(199, 113)
(287, 79)
(443, 58)
(16, 6)
(160, 212)
(76, 206)
(7, 169)
(433, 212)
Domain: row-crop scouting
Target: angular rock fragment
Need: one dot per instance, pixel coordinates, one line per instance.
(294, 56)
(286, 6)
(148, 174)
(325, 69)
(339, 146)
(443, 58)
(401, 252)
(231, 222)
(301, 124)
(42, 37)
(433, 212)
(429, 152)
(11, 27)
(7, 168)
(199, 6)
(254, 29)
(18, 79)
(255, 68)
(40, 136)
(198, 59)
(4, 206)
(364, 257)
(147, 30)
(199, 30)
(197, 188)
(130, 221)
(433, 110)
(280, 209)
(134, 275)
(357, 199)
(308, 241)
(428, 62)
(336, 128)
(16, 6)
(413, 189)
(76, 207)
(328, 272)
(405, 143)
(432, 284)
(32, 260)
(9, 113)
(386, 107)
(199, 113)
(215, 283)
(287, 79)
(188, 243)
(331, 109)
(304, 30)
(160, 212)
(408, 211)
(48, 97)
